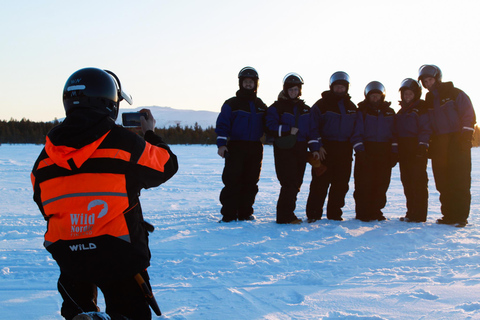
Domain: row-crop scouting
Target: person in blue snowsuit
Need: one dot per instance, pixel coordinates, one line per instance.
(452, 119)
(239, 128)
(413, 132)
(376, 156)
(288, 121)
(335, 116)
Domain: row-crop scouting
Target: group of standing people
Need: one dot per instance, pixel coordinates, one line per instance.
(332, 130)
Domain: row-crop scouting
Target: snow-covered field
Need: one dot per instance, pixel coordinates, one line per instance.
(202, 269)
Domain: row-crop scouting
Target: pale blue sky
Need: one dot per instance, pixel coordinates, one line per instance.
(187, 54)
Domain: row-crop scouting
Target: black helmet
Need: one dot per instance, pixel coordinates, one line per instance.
(430, 70)
(292, 80)
(248, 72)
(340, 77)
(375, 87)
(413, 85)
(94, 88)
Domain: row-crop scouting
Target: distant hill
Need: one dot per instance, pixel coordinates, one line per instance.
(168, 117)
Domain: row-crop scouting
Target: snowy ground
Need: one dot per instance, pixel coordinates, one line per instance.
(202, 269)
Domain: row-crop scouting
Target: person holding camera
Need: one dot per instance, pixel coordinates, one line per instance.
(86, 183)
(452, 118)
(239, 128)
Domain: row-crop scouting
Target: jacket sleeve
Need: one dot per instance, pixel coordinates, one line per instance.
(465, 111)
(424, 129)
(316, 115)
(156, 164)
(36, 188)
(223, 127)
(314, 140)
(274, 127)
(394, 135)
(357, 137)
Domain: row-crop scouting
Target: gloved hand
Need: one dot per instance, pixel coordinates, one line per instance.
(422, 151)
(318, 167)
(222, 151)
(393, 159)
(466, 139)
(148, 226)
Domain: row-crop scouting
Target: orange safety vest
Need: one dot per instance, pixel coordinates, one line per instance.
(84, 193)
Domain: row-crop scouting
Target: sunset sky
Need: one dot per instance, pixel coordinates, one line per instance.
(187, 54)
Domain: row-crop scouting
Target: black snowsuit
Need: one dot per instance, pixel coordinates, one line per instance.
(335, 117)
(240, 126)
(290, 163)
(373, 170)
(452, 118)
(413, 131)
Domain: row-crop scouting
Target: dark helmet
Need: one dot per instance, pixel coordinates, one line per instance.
(430, 70)
(248, 72)
(413, 85)
(340, 77)
(375, 87)
(93, 88)
(292, 80)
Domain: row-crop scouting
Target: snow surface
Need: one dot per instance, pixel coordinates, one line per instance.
(202, 269)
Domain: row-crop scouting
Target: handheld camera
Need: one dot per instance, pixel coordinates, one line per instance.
(132, 119)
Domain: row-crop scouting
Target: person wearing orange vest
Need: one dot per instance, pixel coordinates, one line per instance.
(87, 182)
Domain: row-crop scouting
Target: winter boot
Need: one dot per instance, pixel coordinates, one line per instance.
(92, 316)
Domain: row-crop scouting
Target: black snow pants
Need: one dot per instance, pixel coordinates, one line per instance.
(372, 179)
(240, 177)
(290, 168)
(413, 173)
(451, 166)
(333, 182)
(123, 297)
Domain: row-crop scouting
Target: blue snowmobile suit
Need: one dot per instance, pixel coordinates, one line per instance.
(413, 121)
(413, 131)
(449, 109)
(336, 121)
(452, 118)
(281, 118)
(375, 125)
(372, 173)
(240, 119)
(240, 126)
(335, 116)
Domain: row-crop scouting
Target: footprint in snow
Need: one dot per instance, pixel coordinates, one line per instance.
(422, 294)
(417, 294)
(469, 307)
(290, 296)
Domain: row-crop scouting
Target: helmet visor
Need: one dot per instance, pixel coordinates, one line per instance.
(125, 96)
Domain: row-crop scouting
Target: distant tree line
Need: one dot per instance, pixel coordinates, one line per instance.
(188, 135)
(26, 131)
